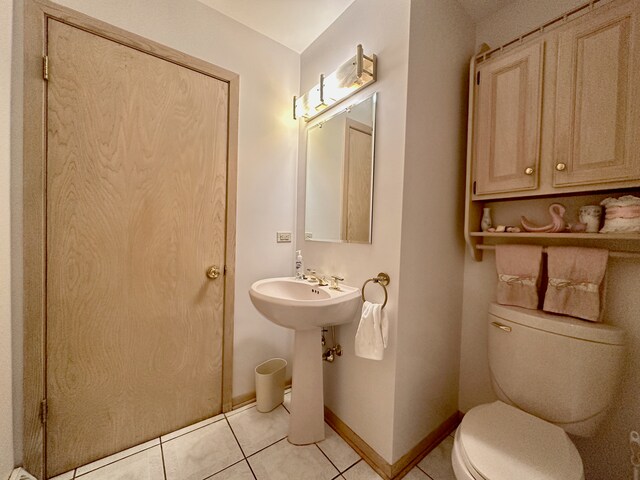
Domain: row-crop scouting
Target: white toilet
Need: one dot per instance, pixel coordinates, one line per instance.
(552, 374)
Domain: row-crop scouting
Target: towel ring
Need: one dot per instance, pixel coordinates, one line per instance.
(383, 280)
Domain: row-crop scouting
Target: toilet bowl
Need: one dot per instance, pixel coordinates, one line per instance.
(552, 374)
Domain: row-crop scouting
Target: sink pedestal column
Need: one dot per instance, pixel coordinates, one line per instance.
(306, 423)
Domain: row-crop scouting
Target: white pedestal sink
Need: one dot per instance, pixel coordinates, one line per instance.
(306, 308)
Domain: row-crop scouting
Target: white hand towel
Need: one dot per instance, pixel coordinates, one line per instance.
(373, 332)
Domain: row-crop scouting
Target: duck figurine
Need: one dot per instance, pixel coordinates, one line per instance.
(557, 224)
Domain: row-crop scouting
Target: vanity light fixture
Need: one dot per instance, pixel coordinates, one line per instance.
(353, 75)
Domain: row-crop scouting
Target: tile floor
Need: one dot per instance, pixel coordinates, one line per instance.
(248, 445)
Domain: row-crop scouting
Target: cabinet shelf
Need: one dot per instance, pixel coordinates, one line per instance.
(569, 235)
(622, 245)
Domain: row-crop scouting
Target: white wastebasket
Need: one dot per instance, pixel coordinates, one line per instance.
(270, 376)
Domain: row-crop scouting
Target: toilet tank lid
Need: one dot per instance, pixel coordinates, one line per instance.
(559, 324)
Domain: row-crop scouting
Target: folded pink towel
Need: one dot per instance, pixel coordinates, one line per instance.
(518, 269)
(576, 281)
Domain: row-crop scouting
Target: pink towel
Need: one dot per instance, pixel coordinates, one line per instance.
(575, 285)
(518, 269)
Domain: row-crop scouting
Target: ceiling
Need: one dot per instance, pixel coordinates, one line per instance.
(481, 9)
(297, 23)
(294, 23)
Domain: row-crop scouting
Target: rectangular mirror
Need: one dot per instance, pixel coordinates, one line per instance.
(339, 194)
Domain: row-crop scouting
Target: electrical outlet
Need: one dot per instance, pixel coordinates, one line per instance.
(283, 237)
(308, 235)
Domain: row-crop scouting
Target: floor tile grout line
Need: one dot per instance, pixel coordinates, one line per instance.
(264, 448)
(361, 460)
(111, 463)
(164, 467)
(226, 468)
(233, 413)
(239, 446)
(327, 457)
(251, 469)
(236, 438)
(422, 470)
(194, 430)
(257, 451)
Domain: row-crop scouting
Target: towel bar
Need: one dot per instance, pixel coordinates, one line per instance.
(383, 280)
(612, 253)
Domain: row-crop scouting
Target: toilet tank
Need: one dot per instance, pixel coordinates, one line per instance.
(561, 369)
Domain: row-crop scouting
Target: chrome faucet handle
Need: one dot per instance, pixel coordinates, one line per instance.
(335, 282)
(311, 275)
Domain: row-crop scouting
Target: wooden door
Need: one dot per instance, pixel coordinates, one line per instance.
(507, 139)
(598, 98)
(136, 200)
(358, 163)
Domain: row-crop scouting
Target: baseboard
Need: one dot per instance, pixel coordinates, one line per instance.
(242, 400)
(21, 474)
(404, 465)
(422, 449)
(363, 449)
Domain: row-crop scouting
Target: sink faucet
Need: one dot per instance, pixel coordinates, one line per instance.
(335, 282)
(313, 277)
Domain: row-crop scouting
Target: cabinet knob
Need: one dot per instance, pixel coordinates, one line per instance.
(561, 166)
(528, 171)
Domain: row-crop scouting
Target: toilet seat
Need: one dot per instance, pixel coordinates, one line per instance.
(499, 442)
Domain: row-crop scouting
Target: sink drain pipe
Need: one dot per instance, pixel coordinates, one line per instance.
(335, 350)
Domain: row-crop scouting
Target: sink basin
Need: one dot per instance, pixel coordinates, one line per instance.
(301, 305)
(306, 308)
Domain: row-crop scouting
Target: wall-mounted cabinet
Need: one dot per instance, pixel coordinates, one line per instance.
(556, 113)
(507, 147)
(598, 99)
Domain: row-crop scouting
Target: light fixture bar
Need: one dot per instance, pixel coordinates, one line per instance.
(322, 104)
(349, 78)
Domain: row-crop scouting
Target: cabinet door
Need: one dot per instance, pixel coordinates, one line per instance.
(597, 98)
(507, 133)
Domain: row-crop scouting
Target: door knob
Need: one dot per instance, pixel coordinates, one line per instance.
(213, 272)
(561, 166)
(528, 171)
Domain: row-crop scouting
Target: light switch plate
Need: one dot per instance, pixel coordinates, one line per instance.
(308, 235)
(283, 237)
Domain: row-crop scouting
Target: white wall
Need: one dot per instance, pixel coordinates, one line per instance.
(359, 391)
(519, 17)
(6, 390)
(267, 153)
(606, 456)
(417, 205)
(432, 257)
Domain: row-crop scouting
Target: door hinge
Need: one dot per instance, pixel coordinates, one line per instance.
(474, 187)
(224, 270)
(43, 411)
(478, 78)
(45, 67)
